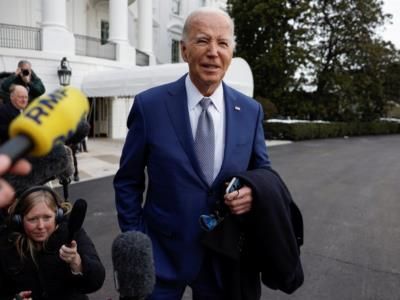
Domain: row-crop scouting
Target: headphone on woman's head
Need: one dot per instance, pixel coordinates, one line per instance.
(16, 219)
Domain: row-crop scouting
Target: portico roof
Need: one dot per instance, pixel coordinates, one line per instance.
(129, 82)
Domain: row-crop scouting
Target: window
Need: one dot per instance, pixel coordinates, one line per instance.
(105, 31)
(176, 7)
(175, 51)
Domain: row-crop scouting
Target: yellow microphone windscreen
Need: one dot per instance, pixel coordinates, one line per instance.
(51, 119)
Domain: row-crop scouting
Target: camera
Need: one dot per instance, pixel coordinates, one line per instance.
(25, 72)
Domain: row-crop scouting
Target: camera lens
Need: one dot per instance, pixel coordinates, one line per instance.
(25, 72)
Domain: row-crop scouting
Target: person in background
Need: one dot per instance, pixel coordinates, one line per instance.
(36, 259)
(4, 97)
(191, 136)
(9, 111)
(25, 76)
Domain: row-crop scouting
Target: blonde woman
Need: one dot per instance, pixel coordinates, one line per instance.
(36, 261)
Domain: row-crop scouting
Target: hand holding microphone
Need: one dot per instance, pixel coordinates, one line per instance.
(48, 120)
(69, 254)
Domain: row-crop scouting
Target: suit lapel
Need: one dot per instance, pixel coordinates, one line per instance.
(177, 108)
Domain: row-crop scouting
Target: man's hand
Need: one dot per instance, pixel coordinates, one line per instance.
(22, 167)
(18, 72)
(239, 201)
(25, 295)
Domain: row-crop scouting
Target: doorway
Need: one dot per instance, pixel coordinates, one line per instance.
(99, 116)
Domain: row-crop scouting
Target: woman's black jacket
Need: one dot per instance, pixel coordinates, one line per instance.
(51, 277)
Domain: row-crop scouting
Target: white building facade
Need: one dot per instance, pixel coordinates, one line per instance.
(99, 38)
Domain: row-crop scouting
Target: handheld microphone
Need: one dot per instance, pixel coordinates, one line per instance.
(134, 272)
(76, 218)
(47, 121)
(69, 169)
(81, 132)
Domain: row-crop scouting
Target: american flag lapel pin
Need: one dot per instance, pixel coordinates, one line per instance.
(237, 108)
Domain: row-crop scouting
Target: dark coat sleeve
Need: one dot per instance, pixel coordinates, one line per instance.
(93, 270)
(266, 240)
(7, 287)
(10, 266)
(57, 275)
(36, 87)
(5, 86)
(273, 241)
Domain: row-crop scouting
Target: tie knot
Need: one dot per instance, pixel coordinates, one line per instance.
(205, 103)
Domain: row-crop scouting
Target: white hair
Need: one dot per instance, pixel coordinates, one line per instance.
(207, 10)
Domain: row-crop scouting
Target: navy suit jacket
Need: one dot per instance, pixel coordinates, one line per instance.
(160, 141)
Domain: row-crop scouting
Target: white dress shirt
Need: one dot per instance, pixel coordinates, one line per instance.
(217, 111)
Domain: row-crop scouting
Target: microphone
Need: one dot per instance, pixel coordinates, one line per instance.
(76, 218)
(134, 273)
(81, 132)
(47, 121)
(58, 163)
(69, 164)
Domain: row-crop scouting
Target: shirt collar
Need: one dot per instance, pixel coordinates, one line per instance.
(194, 96)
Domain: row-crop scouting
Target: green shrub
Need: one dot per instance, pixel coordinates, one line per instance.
(305, 131)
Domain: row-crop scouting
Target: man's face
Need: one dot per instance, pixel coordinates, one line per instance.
(208, 50)
(19, 97)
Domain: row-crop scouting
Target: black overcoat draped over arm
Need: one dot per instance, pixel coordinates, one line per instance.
(263, 243)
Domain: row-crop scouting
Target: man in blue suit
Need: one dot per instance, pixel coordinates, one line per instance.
(162, 140)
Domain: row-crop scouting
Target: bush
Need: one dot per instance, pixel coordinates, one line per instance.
(305, 131)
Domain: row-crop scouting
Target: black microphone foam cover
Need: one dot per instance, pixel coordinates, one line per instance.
(76, 218)
(44, 168)
(132, 258)
(81, 132)
(69, 170)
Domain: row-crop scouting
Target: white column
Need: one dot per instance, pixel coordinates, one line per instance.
(54, 13)
(119, 31)
(145, 24)
(120, 108)
(119, 21)
(55, 36)
(145, 28)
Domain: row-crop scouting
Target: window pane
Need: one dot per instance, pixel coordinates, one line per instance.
(175, 51)
(105, 30)
(176, 7)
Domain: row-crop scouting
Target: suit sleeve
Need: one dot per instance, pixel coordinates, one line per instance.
(129, 181)
(259, 158)
(36, 86)
(93, 270)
